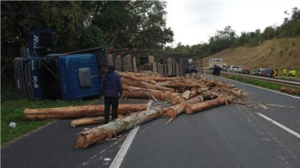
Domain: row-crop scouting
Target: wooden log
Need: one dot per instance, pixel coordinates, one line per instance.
(179, 108)
(133, 88)
(145, 85)
(103, 132)
(197, 107)
(291, 91)
(201, 90)
(86, 121)
(174, 100)
(77, 111)
(184, 97)
(208, 95)
(149, 95)
(193, 93)
(128, 76)
(177, 84)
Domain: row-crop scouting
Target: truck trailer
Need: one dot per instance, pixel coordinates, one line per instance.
(40, 73)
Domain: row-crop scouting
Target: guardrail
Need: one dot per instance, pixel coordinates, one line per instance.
(295, 84)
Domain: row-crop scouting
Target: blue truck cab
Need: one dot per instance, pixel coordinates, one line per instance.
(40, 73)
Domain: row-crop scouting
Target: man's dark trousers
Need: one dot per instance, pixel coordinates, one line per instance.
(114, 102)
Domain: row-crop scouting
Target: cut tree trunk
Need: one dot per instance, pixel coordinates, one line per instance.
(87, 121)
(144, 85)
(202, 90)
(193, 93)
(77, 111)
(184, 97)
(103, 132)
(179, 108)
(291, 91)
(133, 88)
(177, 84)
(149, 95)
(174, 100)
(128, 76)
(192, 108)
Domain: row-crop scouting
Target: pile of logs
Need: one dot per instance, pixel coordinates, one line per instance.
(184, 95)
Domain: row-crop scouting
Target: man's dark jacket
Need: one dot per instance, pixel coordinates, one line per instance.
(111, 84)
(187, 71)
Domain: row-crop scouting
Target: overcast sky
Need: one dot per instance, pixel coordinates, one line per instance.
(194, 21)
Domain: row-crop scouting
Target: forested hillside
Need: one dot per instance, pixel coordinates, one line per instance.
(275, 53)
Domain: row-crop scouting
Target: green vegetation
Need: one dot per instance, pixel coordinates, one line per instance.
(12, 111)
(80, 25)
(258, 83)
(228, 39)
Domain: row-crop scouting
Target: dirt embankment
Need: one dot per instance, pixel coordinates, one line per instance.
(276, 53)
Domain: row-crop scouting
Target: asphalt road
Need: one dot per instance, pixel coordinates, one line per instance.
(227, 136)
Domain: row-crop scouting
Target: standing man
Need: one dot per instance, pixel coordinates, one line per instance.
(111, 90)
(187, 72)
(193, 72)
(216, 71)
(284, 72)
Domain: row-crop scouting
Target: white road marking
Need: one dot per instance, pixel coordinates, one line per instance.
(279, 125)
(296, 97)
(122, 152)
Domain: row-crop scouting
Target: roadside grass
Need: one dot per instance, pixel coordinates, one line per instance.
(259, 83)
(12, 111)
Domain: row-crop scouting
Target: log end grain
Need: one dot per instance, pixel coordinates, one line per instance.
(188, 110)
(81, 141)
(170, 112)
(181, 99)
(174, 101)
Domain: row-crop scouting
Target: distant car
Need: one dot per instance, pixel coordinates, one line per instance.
(233, 68)
(264, 72)
(245, 70)
(239, 69)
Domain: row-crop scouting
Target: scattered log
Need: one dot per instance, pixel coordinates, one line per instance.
(197, 107)
(128, 76)
(86, 121)
(202, 90)
(184, 97)
(291, 91)
(179, 108)
(177, 84)
(193, 93)
(149, 95)
(103, 132)
(144, 85)
(77, 111)
(174, 100)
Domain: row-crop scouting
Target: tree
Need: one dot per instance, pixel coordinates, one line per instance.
(140, 24)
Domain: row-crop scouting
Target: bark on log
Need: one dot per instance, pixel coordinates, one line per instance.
(177, 84)
(149, 95)
(133, 88)
(144, 85)
(179, 108)
(291, 91)
(184, 97)
(193, 93)
(208, 95)
(128, 76)
(174, 100)
(86, 121)
(77, 111)
(103, 132)
(197, 107)
(201, 90)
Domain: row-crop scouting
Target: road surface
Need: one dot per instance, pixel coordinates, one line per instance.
(226, 136)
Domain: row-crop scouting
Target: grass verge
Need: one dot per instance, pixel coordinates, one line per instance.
(12, 111)
(259, 83)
